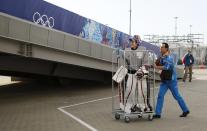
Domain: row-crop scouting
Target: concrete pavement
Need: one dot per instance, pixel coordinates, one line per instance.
(35, 107)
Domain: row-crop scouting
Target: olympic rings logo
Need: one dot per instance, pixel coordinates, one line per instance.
(43, 20)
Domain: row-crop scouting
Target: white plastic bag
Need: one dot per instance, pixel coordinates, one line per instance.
(120, 74)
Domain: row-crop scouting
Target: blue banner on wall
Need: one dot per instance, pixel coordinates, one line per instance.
(52, 16)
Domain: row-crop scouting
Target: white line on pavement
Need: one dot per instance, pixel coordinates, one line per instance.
(86, 102)
(76, 118)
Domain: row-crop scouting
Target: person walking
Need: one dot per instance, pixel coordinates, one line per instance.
(168, 81)
(188, 61)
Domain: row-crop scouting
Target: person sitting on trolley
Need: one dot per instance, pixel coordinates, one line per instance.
(134, 59)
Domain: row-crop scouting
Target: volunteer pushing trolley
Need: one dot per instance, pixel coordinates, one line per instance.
(134, 79)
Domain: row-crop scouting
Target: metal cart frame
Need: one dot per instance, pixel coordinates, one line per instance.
(117, 111)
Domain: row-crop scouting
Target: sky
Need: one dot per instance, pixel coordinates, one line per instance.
(148, 16)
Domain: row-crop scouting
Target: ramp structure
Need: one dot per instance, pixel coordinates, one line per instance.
(38, 38)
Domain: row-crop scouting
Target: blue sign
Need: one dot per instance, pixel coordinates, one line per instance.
(52, 16)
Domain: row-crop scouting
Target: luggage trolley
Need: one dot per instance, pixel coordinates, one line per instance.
(133, 77)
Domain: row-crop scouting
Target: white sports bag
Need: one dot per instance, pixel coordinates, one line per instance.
(120, 74)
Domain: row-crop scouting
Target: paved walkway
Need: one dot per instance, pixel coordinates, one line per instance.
(79, 107)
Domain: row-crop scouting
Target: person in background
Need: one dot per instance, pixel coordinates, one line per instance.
(188, 61)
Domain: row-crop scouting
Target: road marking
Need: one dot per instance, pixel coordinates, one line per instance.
(201, 78)
(82, 103)
(76, 118)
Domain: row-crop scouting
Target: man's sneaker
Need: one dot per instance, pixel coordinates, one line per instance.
(156, 116)
(184, 114)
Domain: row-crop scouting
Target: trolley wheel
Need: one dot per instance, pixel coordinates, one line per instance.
(127, 119)
(117, 116)
(150, 117)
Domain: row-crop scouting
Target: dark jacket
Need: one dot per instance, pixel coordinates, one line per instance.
(188, 60)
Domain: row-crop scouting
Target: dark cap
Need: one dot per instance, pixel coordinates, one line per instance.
(135, 38)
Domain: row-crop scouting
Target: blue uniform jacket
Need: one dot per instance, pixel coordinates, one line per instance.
(167, 62)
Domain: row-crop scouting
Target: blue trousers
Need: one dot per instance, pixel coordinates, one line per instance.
(164, 86)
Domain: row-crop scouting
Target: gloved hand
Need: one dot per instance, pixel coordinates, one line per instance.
(139, 74)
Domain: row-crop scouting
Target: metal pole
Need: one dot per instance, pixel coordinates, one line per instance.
(191, 38)
(176, 25)
(130, 17)
(175, 37)
(190, 28)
